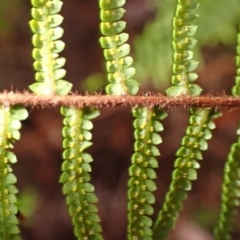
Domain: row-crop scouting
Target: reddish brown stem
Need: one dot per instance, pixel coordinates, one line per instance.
(104, 101)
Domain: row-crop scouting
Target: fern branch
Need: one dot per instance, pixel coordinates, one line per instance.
(185, 165)
(47, 46)
(76, 167)
(236, 88)
(183, 42)
(230, 194)
(198, 132)
(120, 72)
(75, 176)
(116, 50)
(9, 133)
(141, 185)
(230, 198)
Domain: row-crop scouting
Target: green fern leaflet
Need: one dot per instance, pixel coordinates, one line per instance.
(116, 51)
(47, 46)
(230, 187)
(10, 124)
(142, 174)
(75, 177)
(201, 124)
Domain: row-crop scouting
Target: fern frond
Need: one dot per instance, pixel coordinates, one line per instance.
(76, 166)
(230, 198)
(141, 185)
(195, 141)
(116, 50)
(9, 132)
(236, 88)
(75, 177)
(183, 42)
(201, 124)
(47, 46)
(146, 121)
(230, 194)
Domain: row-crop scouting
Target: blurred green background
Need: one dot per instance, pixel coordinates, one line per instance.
(39, 150)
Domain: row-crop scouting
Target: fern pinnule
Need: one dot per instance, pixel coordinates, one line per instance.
(10, 124)
(230, 197)
(195, 141)
(47, 46)
(116, 50)
(75, 177)
(79, 192)
(236, 88)
(183, 43)
(141, 185)
(230, 194)
(146, 121)
(201, 124)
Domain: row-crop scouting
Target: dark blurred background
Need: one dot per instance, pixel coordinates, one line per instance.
(39, 150)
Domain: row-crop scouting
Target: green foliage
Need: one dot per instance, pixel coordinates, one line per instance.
(146, 121)
(183, 42)
(217, 25)
(76, 166)
(186, 164)
(236, 88)
(28, 200)
(200, 123)
(75, 177)
(141, 185)
(47, 46)
(94, 82)
(230, 194)
(230, 187)
(116, 51)
(9, 128)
